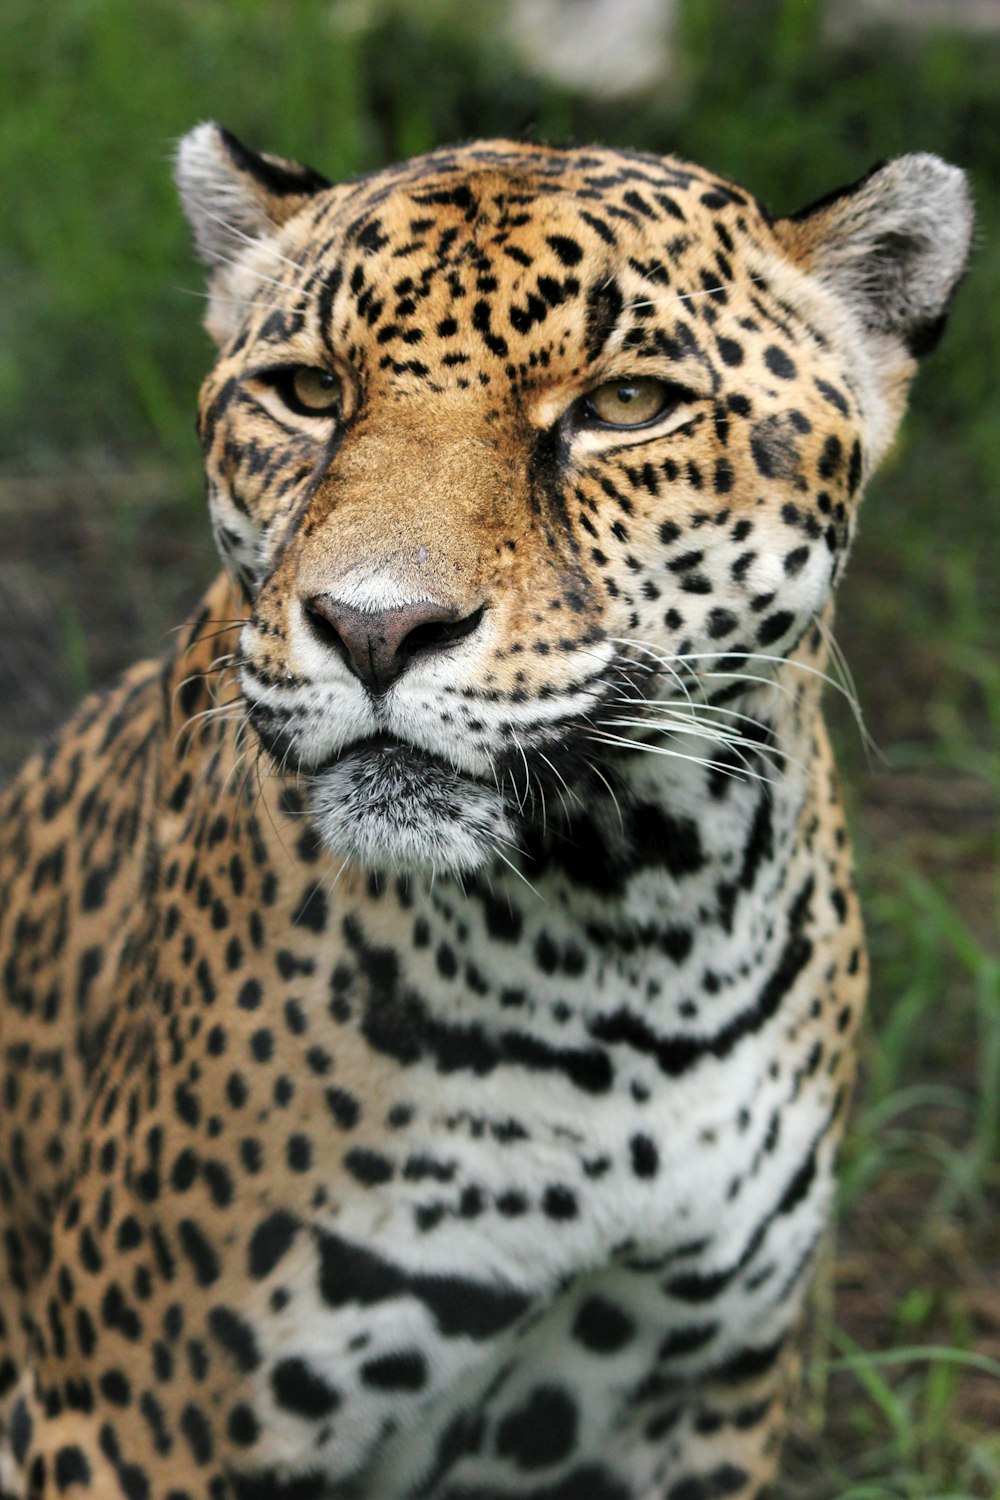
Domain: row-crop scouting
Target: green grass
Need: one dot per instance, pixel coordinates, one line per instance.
(100, 359)
(914, 1414)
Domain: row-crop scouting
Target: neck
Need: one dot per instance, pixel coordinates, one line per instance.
(663, 865)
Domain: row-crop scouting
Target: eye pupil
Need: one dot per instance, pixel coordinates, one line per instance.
(313, 392)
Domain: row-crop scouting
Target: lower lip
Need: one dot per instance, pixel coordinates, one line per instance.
(382, 746)
(378, 744)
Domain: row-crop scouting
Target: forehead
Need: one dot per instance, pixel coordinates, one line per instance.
(526, 254)
(597, 173)
(515, 205)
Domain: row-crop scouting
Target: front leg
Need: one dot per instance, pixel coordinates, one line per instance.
(724, 1437)
(152, 1380)
(55, 1452)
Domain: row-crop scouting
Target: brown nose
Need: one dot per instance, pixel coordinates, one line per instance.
(378, 645)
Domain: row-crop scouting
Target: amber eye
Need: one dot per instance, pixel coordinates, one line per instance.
(313, 392)
(305, 389)
(631, 403)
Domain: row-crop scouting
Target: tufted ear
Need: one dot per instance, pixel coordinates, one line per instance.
(893, 246)
(232, 195)
(235, 199)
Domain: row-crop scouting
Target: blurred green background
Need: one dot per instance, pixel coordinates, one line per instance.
(103, 545)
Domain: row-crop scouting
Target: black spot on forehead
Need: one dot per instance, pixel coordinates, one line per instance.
(604, 308)
(454, 207)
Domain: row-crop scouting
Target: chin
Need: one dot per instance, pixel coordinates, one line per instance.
(388, 806)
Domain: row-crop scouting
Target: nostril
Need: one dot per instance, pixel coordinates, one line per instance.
(320, 623)
(433, 633)
(323, 625)
(377, 645)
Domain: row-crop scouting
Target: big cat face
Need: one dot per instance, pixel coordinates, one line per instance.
(524, 458)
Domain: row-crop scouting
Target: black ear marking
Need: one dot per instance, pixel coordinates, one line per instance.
(835, 195)
(275, 174)
(924, 338)
(893, 246)
(233, 195)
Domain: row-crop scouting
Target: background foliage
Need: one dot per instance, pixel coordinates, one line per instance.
(103, 543)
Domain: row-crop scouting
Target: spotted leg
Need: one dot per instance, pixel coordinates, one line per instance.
(724, 1439)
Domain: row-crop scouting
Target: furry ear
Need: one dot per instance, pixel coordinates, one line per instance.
(892, 246)
(232, 195)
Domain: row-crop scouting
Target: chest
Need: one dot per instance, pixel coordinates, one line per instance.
(516, 1236)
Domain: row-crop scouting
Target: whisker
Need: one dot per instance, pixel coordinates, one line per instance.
(249, 239)
(842, 665)
(690, 296)
(558, 774)
(262, 802)
(520, 875)
(189, 291)
(241, 754)
(665, 715)
(737, 743)
(216, 711)
(611, 791)
(698, 760)
(719, 734)
(801, 666)
(664, 662)
(527, 773)
(660, 705)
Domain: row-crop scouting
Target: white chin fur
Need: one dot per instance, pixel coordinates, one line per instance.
(390, 811)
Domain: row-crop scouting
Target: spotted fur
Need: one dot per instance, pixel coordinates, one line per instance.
(430, 989)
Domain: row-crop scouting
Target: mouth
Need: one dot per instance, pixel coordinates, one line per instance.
(383, 803)
(387, 749)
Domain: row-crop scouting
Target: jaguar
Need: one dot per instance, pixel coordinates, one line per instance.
(430, 988)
